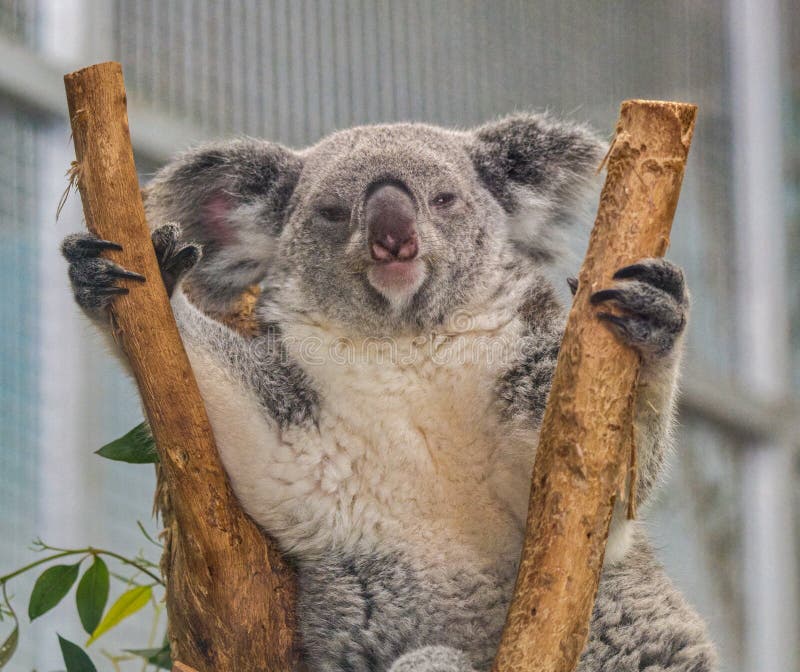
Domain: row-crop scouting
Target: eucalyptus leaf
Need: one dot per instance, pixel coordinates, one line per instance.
(158, 657)
(75, 658)
(8, 647)
(92, 594)
(135, 447)
(50, 588)
(126, 605)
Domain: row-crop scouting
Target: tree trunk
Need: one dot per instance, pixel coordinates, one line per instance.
(585, 443)
(230, 596)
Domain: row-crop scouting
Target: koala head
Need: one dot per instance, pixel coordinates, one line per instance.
(378, 228)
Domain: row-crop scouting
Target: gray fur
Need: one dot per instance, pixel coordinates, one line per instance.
(285, 393)
(360, 614)
(294, 222)
(522, 391)
(230, 198)
(538, 168)
(433, 659)
(639, 622)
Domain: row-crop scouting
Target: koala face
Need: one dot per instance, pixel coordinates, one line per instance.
(390, 227)
(377, 228)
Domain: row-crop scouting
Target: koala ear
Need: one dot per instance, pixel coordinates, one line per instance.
(539, 170)
(232, 198)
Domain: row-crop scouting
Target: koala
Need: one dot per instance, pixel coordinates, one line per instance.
(381, 426)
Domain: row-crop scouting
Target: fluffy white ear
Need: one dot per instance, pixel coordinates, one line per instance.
(231, 198)
(540, 170)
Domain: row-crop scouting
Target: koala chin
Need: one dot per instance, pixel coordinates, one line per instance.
(382, 425)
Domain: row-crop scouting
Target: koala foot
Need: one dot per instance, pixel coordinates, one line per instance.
(433, 659)
(654, 302)
(94, 278)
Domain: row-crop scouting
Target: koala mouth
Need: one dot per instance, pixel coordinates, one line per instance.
(397, 281)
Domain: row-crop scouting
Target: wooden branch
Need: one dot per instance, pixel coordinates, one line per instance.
(180, 667)
(582, 458)
(230, 597)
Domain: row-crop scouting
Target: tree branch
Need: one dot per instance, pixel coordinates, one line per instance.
(230, 596)
(586, 435)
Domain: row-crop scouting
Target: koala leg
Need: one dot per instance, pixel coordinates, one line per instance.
(433, 659)
(654, 305)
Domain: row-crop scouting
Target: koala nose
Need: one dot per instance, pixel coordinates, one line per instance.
(391, 224)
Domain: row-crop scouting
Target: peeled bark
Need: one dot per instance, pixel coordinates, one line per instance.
(585, 441)
(230, 596)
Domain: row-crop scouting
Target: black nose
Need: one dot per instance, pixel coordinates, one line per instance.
(391, 224)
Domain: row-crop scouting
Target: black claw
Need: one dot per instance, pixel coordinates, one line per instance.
(631, 271)
(110, 290)
(100, 244)
(613, 319)
(658, 273)
(122, 273)
(573, 285)
(185, 258)
(165, 239)
(605, 295)
(85, 246)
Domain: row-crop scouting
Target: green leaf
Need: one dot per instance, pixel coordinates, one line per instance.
(50, 588)
(158, 657)
(136, 447)
(126, 605)
(75, 657)
(92, 594)
(8, 647)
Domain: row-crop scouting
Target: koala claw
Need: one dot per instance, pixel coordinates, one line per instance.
(659, 273)
(85, 245)
(174, 257)
(94, 277)
(654, 302)
(573, 285)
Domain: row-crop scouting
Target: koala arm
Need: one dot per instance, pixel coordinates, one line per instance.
(94, 278)
(258, 365)
(654, 303)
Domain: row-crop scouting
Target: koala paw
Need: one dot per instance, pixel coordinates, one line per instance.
(433, 659)
(175, 258)
(94, 278)
(654, 302)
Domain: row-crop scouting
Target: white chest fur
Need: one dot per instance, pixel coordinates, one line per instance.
(408, 446)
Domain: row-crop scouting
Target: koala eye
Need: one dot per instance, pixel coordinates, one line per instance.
(443, 200)
(335, 213)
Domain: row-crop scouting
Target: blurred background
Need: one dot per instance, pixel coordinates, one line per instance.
(726, 524)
